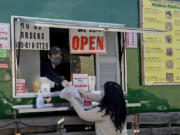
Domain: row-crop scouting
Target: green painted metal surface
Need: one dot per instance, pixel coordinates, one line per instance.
(153, 98)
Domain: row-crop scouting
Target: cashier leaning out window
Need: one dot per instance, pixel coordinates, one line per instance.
(48, 69)
(109, 116)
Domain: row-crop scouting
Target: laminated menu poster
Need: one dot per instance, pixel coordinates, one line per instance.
(81, 82)
(161, 52)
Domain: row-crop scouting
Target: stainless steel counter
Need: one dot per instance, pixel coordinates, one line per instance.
(53, 107)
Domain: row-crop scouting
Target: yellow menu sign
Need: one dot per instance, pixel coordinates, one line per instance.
(161, 52)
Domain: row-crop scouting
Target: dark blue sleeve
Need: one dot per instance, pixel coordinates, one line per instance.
(47, 71)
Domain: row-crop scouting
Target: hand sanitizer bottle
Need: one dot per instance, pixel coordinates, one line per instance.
(39, 101)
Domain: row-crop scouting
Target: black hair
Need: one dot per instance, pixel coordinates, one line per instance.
(114, 104)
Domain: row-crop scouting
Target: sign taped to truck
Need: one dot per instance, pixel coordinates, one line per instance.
(87, 41)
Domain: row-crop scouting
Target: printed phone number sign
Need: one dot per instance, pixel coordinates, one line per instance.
(4, 36)
(31, 37)
(87, 41)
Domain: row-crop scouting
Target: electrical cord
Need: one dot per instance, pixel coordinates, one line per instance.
(19, 49)
(123, 47)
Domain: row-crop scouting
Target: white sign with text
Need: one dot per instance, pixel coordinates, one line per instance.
(81, 82)
(31, 37)
(4, 36)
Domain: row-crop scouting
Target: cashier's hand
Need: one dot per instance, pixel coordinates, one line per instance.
(65, 83)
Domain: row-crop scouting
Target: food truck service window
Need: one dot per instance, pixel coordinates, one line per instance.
(46, 51)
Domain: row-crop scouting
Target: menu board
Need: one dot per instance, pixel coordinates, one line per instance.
(161, 52)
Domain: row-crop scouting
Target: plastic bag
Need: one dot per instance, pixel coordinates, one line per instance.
(69, 90)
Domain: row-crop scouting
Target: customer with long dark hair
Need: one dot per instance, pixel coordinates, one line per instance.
(110, 115)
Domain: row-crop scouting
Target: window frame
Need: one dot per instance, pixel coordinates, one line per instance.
(54, 94)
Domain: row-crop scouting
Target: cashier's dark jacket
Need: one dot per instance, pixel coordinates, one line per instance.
(52, 74)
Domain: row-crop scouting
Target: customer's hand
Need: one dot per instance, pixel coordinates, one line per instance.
(65, 83)
(47, 99)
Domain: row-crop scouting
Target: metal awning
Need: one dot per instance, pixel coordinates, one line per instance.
(71, 24)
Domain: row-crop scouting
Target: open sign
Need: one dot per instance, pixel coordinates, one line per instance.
(87, 41)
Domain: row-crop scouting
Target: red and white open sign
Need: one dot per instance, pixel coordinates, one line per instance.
(20, 86)
(87, 41)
